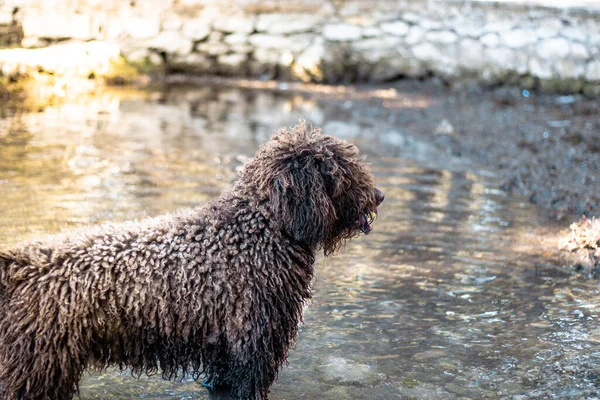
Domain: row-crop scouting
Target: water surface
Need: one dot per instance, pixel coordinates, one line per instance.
(453, 295)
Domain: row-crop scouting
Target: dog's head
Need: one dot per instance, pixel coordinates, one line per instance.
(317, 187)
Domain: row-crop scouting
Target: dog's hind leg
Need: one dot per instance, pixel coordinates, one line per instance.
(251, 380)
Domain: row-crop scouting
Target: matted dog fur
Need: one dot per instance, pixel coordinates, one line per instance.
(215, 291)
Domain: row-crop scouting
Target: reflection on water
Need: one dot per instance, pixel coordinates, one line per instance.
(450, 296)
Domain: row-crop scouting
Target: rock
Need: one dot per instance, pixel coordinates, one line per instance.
(415, 35)
(444, 37)
(396, 28)
(73, 59)
(267, 56)
(265, 41)
(498, 26)
(412, 17)
(6, 16)
(236, 38)
(392, 67)
(192, 63)
(196, 29)
(518, 38)
(171, 22)
(213, 48)
(138, 55)
(300, 42)
(371, 31)
(308, 64)
(552, 49)
(467, 28)
(593, 71)
(579, 52)
(33, 42)
(347, 372)
(242, 48)
(232, 60)
(444, 128)
(234, 24)
(471, 55)
(430, 25)
(502, 58)
(490, 40)
(540, 69)
(429, 354)
(341, 32)
(59, 26)
(574, 33)
(550, 28)
(426, 52)
(141, 27)
(567, 68)
(374, 49)
(171, 42)
(286, 23)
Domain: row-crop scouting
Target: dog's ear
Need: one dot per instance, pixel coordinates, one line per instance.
(300, 200)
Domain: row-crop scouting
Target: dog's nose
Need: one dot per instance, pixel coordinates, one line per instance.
(379, 196)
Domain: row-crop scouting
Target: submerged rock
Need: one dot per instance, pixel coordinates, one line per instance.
(583, 245)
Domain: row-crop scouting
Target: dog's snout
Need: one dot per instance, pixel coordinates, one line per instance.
(379, 196)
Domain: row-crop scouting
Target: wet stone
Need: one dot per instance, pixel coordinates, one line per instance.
(348, 372)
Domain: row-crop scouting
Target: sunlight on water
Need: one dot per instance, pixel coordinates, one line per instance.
(451, 296)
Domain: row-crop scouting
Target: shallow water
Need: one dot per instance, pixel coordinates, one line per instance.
(453, 295)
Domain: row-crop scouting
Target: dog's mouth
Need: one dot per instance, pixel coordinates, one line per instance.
(365, 222)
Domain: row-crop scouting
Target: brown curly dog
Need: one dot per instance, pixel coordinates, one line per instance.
(215, 291)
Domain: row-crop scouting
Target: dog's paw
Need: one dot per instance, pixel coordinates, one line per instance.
(208, 384)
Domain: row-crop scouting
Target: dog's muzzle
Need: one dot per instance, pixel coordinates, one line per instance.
(366, 220)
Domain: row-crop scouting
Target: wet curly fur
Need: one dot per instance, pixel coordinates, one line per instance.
(216, 290)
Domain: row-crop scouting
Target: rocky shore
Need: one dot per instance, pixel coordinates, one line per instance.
(554, 48)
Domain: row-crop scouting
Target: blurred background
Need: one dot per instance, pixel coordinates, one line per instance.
(532, 43)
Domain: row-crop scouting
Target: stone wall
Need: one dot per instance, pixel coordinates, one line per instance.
(333, 40)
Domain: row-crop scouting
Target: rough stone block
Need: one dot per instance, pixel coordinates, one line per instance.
(341, 32)
(397, 28)
(141, 27)
(234, 24)
(278, 23)
(213, 48)
(171, 22)
(567, 68)
(236, 38)
(415, 35)
(490, 40)
(56, 26)
(444, 37)
(171, 42)
(375, 49)
(232, 60)
(308, 64)
(371, 31)
(593, 71)
(518, 38)
(6, 16)
(300, 42)
(196, 29)
(270, 41)
(470, 53)
(552, 49)
(540, 69)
